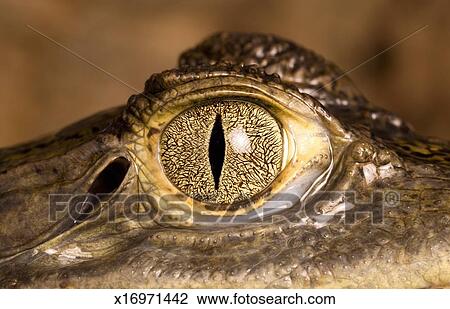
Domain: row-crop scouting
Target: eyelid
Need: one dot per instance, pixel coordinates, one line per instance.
(296, 112)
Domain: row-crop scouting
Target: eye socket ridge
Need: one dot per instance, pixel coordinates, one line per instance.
(308, 141)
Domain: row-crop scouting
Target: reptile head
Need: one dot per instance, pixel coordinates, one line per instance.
(255, 163)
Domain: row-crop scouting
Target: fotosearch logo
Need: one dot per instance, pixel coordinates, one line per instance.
(318, 209)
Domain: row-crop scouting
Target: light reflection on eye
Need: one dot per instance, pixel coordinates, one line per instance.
(239, 140)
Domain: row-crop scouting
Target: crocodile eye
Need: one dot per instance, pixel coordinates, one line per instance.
(223, 152)
(230, 146)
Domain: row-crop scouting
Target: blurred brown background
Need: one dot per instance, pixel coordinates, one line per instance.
(44, 88)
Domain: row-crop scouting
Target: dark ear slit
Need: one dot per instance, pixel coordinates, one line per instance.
(111, 177)
(107, 182)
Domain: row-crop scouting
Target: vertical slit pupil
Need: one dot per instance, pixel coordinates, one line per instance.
(217, 150)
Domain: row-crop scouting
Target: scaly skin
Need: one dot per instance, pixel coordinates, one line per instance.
(405, 245)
